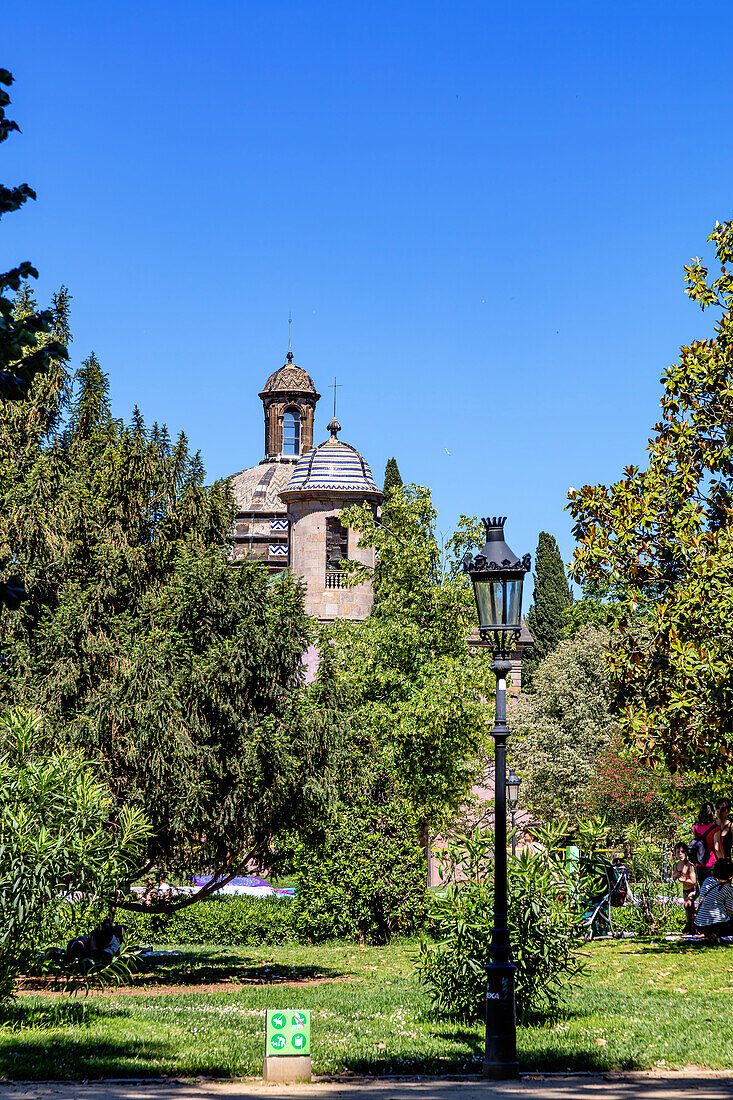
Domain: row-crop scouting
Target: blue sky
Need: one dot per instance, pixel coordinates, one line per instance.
(477, 212)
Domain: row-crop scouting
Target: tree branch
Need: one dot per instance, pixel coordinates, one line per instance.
(228, 871)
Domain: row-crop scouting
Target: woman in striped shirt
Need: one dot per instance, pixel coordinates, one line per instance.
(714, 917)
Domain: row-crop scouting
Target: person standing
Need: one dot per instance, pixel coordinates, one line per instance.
(722, 812)
(706, 830)
(684, 873)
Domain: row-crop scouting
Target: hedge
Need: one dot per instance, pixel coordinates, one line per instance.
(240, 921)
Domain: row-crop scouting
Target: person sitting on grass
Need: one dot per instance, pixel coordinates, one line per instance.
(714, 917)
(684, 873)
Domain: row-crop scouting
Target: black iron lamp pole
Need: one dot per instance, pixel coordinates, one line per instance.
(512, 794)
(497, 576)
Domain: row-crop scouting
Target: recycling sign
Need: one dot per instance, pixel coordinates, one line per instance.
(288, 1031)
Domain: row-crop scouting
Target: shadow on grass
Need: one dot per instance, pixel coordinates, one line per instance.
(66, 1057)
(193, 969)
(58, 1056)
(470, 1060)
(678, 947)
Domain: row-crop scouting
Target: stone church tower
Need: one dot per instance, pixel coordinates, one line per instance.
(327, 479)
(288, 506)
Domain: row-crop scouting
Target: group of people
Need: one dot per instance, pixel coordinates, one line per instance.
(704, 869)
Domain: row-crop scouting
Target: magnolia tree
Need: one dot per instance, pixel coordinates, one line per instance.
(660, 542)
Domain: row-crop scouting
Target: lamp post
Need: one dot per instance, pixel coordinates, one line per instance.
(497, 575)
(513, 783)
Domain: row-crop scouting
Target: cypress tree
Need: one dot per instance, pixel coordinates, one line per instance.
(552, 598)
(392, 477)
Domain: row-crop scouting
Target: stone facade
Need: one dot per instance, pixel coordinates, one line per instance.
(288, 506)
(327, 595)
(326, 480)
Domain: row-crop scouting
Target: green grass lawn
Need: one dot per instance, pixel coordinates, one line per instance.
(639, 1006)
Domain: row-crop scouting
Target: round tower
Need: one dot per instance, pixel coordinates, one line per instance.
(326, 480)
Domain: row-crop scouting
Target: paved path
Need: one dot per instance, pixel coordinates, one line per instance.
(678, 1086)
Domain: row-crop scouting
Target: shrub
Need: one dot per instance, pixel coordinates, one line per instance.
(366, 879)
(631, 795)
(240, 921)
(541, 917)
(58, 832)
(651, 917)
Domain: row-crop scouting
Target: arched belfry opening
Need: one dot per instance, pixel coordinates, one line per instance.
(289, 400)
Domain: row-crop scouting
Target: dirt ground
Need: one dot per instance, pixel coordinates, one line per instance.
(634, 1086)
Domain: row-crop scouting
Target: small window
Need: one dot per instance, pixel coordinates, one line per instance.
(337, 543)
(291, 432)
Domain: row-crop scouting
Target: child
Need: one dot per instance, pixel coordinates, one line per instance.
(714, 916)
(684, 873)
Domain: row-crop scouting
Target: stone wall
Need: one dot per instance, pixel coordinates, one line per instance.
(327, 597)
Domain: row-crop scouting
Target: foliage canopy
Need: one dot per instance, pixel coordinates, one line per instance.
(144, 647)
(59, 831)
(660, 542)
(417, 698)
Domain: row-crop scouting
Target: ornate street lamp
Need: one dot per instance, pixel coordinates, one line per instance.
(497, 575)
(513, 783)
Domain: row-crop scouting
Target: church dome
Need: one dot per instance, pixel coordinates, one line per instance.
(289, 379)
(332, 467)
(258, 489)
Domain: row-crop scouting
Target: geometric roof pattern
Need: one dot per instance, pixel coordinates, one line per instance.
(289, 378)
(258, 489)
(333, 466)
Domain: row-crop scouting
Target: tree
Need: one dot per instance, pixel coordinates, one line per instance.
(146, 649)
(562, 725)
(633, 798)
(392, 477)
(27, 344)
(416, 696)
(59, 828)
(552, 598)
(660, 543)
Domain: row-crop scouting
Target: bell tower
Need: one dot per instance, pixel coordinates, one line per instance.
(289, 399)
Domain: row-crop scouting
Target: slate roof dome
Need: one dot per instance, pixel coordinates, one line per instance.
(289, 379)
(258, 489)
(332, 468)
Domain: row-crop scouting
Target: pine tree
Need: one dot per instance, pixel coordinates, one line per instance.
(392, 477)
(28, 344)
(148, 651)
(552, 598)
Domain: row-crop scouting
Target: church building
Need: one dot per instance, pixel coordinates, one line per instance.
(288, 506)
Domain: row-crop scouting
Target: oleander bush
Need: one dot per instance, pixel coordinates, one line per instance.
(542, 917)
(59, 832)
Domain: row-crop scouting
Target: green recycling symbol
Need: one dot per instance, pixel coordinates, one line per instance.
(278, 1042)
